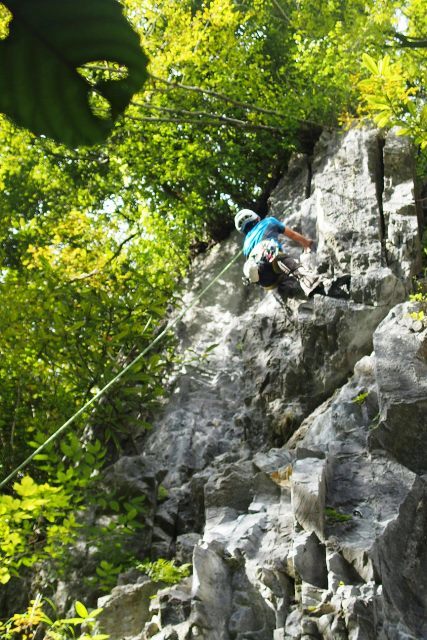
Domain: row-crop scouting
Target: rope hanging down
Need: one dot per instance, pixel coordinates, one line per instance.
(101, 392)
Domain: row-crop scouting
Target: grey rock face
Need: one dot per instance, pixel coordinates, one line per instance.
(398, 203)
(126, 610)
(293, 455)
(401, 558)
(308, 494)
(401, 370)
(309, 559)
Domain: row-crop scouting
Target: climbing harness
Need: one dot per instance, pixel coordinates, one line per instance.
(102, 391)
(267, 265)
(258, 268)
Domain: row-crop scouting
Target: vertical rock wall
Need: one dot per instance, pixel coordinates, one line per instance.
(293, 456)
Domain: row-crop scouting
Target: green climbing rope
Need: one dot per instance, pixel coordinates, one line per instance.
(102, 391)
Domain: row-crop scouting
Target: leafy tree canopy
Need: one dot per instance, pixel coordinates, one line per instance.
(394, 94)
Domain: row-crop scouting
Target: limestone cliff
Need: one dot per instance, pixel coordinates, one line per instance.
(294, 453)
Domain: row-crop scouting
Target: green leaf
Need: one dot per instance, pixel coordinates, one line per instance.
(212, 347)
(114, 505)
(412, 109)
(72, 621)
(106, 565)
(370, 63)
(4, 576)
(379, 103)
(404, 131)
(132, 513)
(383, 119)
(361, 397)
(81, 609)
(40, 85)
(384, 66)
(423, 115)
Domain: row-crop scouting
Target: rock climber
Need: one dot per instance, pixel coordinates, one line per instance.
(268, 265)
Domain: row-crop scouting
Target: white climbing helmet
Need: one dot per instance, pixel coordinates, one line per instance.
(243, 217)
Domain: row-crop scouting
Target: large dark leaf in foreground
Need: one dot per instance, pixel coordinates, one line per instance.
(40, 87)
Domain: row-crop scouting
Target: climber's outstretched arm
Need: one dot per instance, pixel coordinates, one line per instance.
(302, 240)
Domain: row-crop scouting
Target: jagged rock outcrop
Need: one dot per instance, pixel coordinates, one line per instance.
(293, 454)
(402, 388)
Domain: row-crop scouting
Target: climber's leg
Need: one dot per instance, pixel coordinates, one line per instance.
(308, 281)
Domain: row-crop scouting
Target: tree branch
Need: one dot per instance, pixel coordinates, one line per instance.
(120, 247)
(411, 43)
(184, 112)
(243, 105)
(95, 272)
(219, 96)
(225, 98)
(204, 114)
(214, 121)
(281, 10)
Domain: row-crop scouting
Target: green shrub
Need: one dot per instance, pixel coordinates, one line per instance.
(162, 570)
(25, 626)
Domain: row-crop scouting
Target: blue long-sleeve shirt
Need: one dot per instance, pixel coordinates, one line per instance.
(266, 229)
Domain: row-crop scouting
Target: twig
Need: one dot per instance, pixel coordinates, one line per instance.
(241, 124)
(219, 96)
(281, 10)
